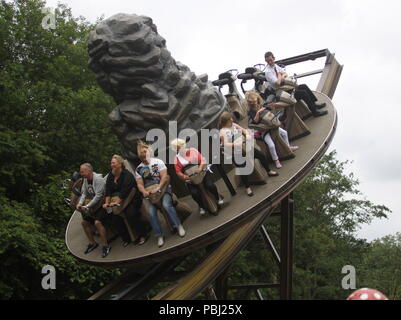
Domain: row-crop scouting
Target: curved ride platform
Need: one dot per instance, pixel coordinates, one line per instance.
(237, 210)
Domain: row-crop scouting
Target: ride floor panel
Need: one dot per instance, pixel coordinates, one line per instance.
(204, 230)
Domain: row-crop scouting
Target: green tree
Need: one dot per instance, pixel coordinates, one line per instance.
(381, 269)
(54, 117)
(329, 208)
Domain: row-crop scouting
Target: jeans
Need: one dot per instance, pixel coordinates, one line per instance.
(167, 203)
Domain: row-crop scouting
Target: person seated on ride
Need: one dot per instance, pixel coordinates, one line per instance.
(90, 206)
(186, 158)
(232, 138)
(119, 187)
(275, 75)
(255, 107)
(151, 177)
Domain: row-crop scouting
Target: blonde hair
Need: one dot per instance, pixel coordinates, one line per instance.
(254, 94)
(142, 145)
(119, 159)
(178, 144)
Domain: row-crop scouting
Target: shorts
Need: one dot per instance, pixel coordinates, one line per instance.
(100, 215)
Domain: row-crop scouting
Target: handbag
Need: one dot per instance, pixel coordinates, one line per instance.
(156, 197)
(194, 176)
(270, 119)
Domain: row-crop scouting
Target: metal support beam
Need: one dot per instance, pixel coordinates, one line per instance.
(221, 288)
(254, 286)
(270, 245)
(286, 250)
(259, 294)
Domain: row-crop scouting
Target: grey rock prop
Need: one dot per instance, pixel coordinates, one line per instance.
(132, 64)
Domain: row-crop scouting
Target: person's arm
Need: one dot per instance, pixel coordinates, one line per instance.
(127, 185)
(83, 195)
(224, 142)
(141, 187)
(256, 119)
(202, 161)
(178, 170)
(107, 199)
(106, 203)
(163, 180)
(245, 132)
(99, 187)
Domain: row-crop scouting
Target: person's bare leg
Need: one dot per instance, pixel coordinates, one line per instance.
(102, 231)
(88, 231)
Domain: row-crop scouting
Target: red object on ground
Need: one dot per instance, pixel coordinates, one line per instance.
(367, 294)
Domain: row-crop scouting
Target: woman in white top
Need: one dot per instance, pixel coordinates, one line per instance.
(231, 137)
(255, 101)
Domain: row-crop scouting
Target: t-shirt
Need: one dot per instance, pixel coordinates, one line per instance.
(150, 173)
(192, 156)
(271, 76)
(231, 135)
(90, 190)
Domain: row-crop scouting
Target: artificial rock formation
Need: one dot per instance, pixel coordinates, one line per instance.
(132, 64)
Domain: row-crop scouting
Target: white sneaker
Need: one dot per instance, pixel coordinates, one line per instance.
(202, 211)
(221, 202)
(160, 241)
(181, 231)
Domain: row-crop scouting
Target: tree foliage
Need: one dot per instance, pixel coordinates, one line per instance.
(329, 209)
(54, 117)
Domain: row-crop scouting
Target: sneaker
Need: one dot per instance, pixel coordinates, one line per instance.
(220, 202)
(202, 211)
(160, 241)
(249, 192)
(105, 251)
(278, 164)
(294, 148)
(143, 239)
(181, 231)
(91, 247)
(126, 243)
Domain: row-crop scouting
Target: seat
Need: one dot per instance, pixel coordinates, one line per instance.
(237, 106)
(225, 75)
(251, 70)
(221, 82)
(245, 76)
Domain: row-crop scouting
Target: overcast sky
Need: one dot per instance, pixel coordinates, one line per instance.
(213, 36)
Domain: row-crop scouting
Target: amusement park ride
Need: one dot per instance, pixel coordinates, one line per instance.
(133, 65)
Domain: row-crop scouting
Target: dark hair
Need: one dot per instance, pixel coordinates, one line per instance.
(224, 118)
(269, 54)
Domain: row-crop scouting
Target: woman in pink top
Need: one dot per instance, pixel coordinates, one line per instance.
(185, 158)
